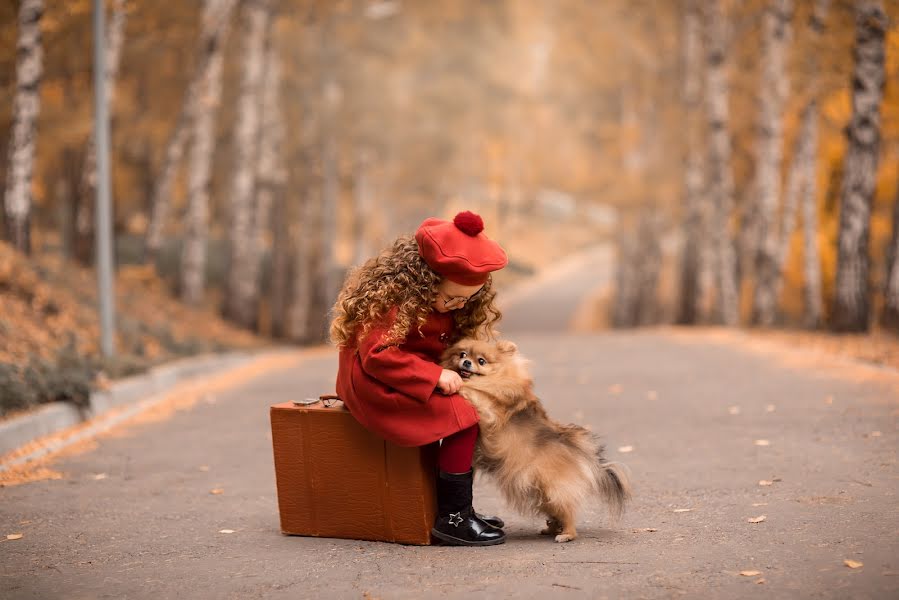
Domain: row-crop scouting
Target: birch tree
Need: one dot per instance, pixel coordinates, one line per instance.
(272, 179)
(694, 273)
(242, 283)
(23, 140)
(216, 22)
(720, 176)
(890, 317)
(807, 174)
(84, 212)
(852, 301)
(299, 307)
(205, 100)
(774, 88)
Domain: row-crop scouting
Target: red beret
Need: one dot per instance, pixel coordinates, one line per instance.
(458, 249)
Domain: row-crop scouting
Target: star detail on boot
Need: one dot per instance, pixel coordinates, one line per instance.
(455, 519)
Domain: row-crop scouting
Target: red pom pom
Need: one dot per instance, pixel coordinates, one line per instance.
(469, 223)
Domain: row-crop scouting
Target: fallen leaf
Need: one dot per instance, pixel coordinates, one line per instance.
(764, 482)
(875, 434)
(14, 536)
(828, 400)
(625, 448)
(758, 519)
(217, 491)
(25, 522)
(762, 443)
(100, 476)
(652, 395)
(734, 410)
(852, 564)
(647, 529)
(226, 531)
(770, 408)
(750, 573)
(680, 510)
(615, 389)
(760, 504)
(204, 468)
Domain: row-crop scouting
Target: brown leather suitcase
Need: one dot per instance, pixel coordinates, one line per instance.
(337, 479)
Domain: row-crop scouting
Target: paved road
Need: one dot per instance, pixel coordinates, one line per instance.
(548, 303)
(150, 528)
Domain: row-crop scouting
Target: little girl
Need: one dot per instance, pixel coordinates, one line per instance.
(394, 317)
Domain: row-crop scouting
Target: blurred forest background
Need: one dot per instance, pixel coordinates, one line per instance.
(741, 156)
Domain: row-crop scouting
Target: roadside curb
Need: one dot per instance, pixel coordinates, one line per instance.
(56, 416)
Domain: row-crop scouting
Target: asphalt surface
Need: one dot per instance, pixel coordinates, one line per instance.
(691, 411)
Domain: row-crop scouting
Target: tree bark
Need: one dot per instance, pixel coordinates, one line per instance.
(242, 284)
(694, 273)
(215, 25)
(890, 317)
(23, 139)
(720, 182)
(775, 85)
(84, 212)
(272, 174)
(811, 257)
(852, 299)
(297, 322)
(204, 100)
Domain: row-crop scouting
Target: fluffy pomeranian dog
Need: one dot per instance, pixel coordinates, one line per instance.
(540, 466)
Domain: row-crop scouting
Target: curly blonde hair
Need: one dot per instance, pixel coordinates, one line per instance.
(399, 277)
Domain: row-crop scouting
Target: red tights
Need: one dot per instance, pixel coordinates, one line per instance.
(457, 450)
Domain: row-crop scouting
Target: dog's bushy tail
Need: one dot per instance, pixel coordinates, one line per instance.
(612, 483)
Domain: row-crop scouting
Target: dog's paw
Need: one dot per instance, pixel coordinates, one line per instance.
(565, 537)
(552, 527)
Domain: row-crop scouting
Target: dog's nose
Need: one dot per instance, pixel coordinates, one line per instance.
(466, 364)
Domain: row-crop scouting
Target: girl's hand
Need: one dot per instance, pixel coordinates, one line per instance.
(450, 382)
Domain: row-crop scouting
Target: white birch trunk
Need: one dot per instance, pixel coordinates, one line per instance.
(216, 21)
(84, 213)
(205, 100)
(776, 33)
(270, 172)
(852, 299)
(23, 140)
(720, 176)
(695, 276)
(242, 285)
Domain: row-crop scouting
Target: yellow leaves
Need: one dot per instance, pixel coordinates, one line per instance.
(762, 443)
(625, 449)
(645, 530)
(226, 531)
(100, 476)
(853, 564)
(758, 519)
(216, 491)
(14, 536)
(765, 482)
(750, 573)
(682, 510)
(615, 389)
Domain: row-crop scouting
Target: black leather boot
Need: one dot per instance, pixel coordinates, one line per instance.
(456, 523)
(491, 520)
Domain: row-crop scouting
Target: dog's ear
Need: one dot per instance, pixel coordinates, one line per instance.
(506, 346)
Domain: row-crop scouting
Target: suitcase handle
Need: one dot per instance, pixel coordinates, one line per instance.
(327, 400)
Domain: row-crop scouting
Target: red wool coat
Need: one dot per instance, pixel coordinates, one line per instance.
(392, 391)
